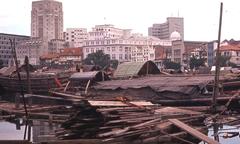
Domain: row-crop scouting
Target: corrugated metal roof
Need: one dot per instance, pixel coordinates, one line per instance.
(130, 69)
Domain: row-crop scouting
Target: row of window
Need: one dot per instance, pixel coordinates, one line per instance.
(114, 42)
(113, 49)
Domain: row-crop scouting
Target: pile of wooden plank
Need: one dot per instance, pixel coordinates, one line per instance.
(130, 123)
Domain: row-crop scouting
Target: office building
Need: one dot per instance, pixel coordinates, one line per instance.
(164, 30)
(5, 47)
(47, 20)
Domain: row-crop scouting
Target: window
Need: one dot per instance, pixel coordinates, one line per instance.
(92, 50)
(120, 56)
(126, 49)
(113, 49)
(87, 49)
(120, 48)
(126, 56)
(108, 48)
(113, 56)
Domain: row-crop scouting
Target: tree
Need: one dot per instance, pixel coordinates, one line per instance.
(171, 65)
(114, 63)
(224, 60)
(196, 63)
(98, 58)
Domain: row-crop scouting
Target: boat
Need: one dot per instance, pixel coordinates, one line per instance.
(40, 81)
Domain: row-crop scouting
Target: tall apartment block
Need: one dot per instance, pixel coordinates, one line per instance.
(47, 19)
(5, 47)
(164, 30)
(75, 36)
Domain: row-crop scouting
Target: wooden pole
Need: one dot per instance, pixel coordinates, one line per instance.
(13, 46)
(217, 71)
(28, 74)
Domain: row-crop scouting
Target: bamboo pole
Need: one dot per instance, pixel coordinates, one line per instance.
(217, 71)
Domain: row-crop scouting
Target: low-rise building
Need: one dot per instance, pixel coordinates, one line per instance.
(232, 51)
(74, 55)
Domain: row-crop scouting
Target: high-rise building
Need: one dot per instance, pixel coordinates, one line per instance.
(164, 30)
(75, 36)
(5, 47)
(47, 19)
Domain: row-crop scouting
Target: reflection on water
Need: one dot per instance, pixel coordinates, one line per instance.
(40, 131)
(224, 134)
(9, 131)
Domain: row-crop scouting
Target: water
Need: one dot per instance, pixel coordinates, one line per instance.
(9, 131)
(40, 131)
(222, 131)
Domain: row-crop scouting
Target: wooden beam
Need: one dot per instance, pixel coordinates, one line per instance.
(118, 103)
(76, 141)
(14, 142)
(193, 132)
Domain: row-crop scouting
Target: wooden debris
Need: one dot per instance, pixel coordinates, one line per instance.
(192, 131)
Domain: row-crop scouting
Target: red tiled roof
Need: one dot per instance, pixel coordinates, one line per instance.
(71, 52)
(49, 56)
(230, 48)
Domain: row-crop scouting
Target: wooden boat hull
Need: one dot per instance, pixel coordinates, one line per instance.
(38, 85)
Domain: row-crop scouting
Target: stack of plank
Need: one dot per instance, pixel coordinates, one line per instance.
(130, 124)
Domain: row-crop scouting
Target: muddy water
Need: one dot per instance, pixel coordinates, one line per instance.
(40, 131)
(224, 134)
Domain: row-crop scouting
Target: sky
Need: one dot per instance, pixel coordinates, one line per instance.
(201, 17)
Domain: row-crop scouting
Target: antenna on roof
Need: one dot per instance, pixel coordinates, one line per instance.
(178, 12)
(105, 20)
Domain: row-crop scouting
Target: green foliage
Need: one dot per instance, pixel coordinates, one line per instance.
(224, 61)
(196, 63)
(171, 65)
(114, 64)
(98, 58)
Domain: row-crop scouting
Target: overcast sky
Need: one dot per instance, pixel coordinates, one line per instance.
(201, 17)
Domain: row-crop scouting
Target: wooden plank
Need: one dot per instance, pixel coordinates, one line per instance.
(118, 103)
(173, 110)
(193, 132)
(14, 142)
(76, 141)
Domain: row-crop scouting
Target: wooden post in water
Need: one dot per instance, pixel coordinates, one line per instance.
(13, 47)
(26, 61)
(17, 101)
(217, 70)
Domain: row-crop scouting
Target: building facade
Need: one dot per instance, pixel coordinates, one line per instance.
(75, 36)
(120, 44)
(33, 48)
(5, 47)
(231, 51)
(164, 30)
(37, 47)
(47, 19)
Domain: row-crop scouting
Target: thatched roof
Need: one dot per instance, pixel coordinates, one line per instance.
(131, 69)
